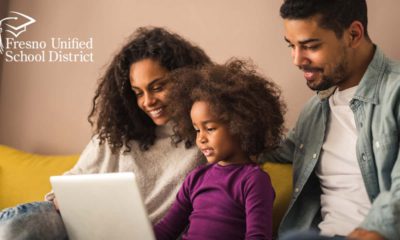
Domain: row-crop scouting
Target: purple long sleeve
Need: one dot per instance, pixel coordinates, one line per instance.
(221, 202)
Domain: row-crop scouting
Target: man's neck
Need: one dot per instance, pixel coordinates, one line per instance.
(360, 62)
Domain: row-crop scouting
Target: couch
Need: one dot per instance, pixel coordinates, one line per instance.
(24, 177)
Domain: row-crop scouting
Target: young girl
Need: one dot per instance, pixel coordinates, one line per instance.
(231, 114)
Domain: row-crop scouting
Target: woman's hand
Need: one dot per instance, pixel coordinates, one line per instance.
(56, 204)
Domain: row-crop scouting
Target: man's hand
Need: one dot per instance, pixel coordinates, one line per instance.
(362, 234)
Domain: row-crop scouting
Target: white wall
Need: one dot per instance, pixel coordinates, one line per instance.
(43, 106)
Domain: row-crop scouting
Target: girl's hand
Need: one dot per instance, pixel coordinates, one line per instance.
(362, 234)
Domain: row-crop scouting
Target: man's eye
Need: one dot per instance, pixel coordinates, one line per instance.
(312, 47)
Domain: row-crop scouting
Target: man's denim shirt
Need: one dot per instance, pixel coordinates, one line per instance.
(376, 108)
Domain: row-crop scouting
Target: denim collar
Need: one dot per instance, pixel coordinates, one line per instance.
(368, 88)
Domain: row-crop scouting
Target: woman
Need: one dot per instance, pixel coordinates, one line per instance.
(131, 131)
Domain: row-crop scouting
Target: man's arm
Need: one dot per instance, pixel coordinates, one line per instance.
(284, 154)
(384, 216)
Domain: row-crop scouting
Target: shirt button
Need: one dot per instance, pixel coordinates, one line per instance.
(301, 146)
(364, 158)
(378, 145)
(296, 190)
(314, 155)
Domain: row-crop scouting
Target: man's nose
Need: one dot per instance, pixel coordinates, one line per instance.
(299, 57)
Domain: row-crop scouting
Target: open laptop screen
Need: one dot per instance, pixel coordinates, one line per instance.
(102, 206)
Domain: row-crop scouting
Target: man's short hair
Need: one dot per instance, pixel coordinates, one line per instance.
(335, 15)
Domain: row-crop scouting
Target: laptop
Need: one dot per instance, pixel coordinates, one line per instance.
(102, 206)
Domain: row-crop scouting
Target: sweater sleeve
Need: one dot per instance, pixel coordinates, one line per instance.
(259, 198)
(177, 217)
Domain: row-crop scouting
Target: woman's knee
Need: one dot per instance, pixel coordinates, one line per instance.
(30, 221)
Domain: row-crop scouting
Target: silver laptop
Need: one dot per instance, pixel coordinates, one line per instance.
(102, 206)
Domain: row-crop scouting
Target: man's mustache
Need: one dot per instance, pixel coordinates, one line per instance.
(310, 69)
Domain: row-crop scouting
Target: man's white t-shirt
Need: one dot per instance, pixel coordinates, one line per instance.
(344, 200)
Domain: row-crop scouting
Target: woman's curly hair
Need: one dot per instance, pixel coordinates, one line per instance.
(115, 114)
(238, 96)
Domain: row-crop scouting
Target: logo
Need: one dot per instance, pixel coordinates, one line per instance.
(70, 49)
(14, 24)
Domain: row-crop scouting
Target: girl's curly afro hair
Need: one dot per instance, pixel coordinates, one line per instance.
(248, 102)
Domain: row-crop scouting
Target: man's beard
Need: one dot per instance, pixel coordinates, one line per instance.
(339, 75)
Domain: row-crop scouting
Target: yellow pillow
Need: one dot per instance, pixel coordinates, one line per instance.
(281, 177)
(24, 177)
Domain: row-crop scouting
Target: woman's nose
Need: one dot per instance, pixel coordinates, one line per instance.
(149, 100)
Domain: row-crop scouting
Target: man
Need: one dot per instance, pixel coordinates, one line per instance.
(345, 145)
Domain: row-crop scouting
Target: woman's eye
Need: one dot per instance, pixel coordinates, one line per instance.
(210, 129)
(157, 88)
(138, 94)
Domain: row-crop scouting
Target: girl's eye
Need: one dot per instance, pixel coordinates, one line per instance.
(210, 129)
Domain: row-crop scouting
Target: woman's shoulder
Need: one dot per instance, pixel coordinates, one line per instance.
(102, 146)
(97, 146)
(97, 156)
